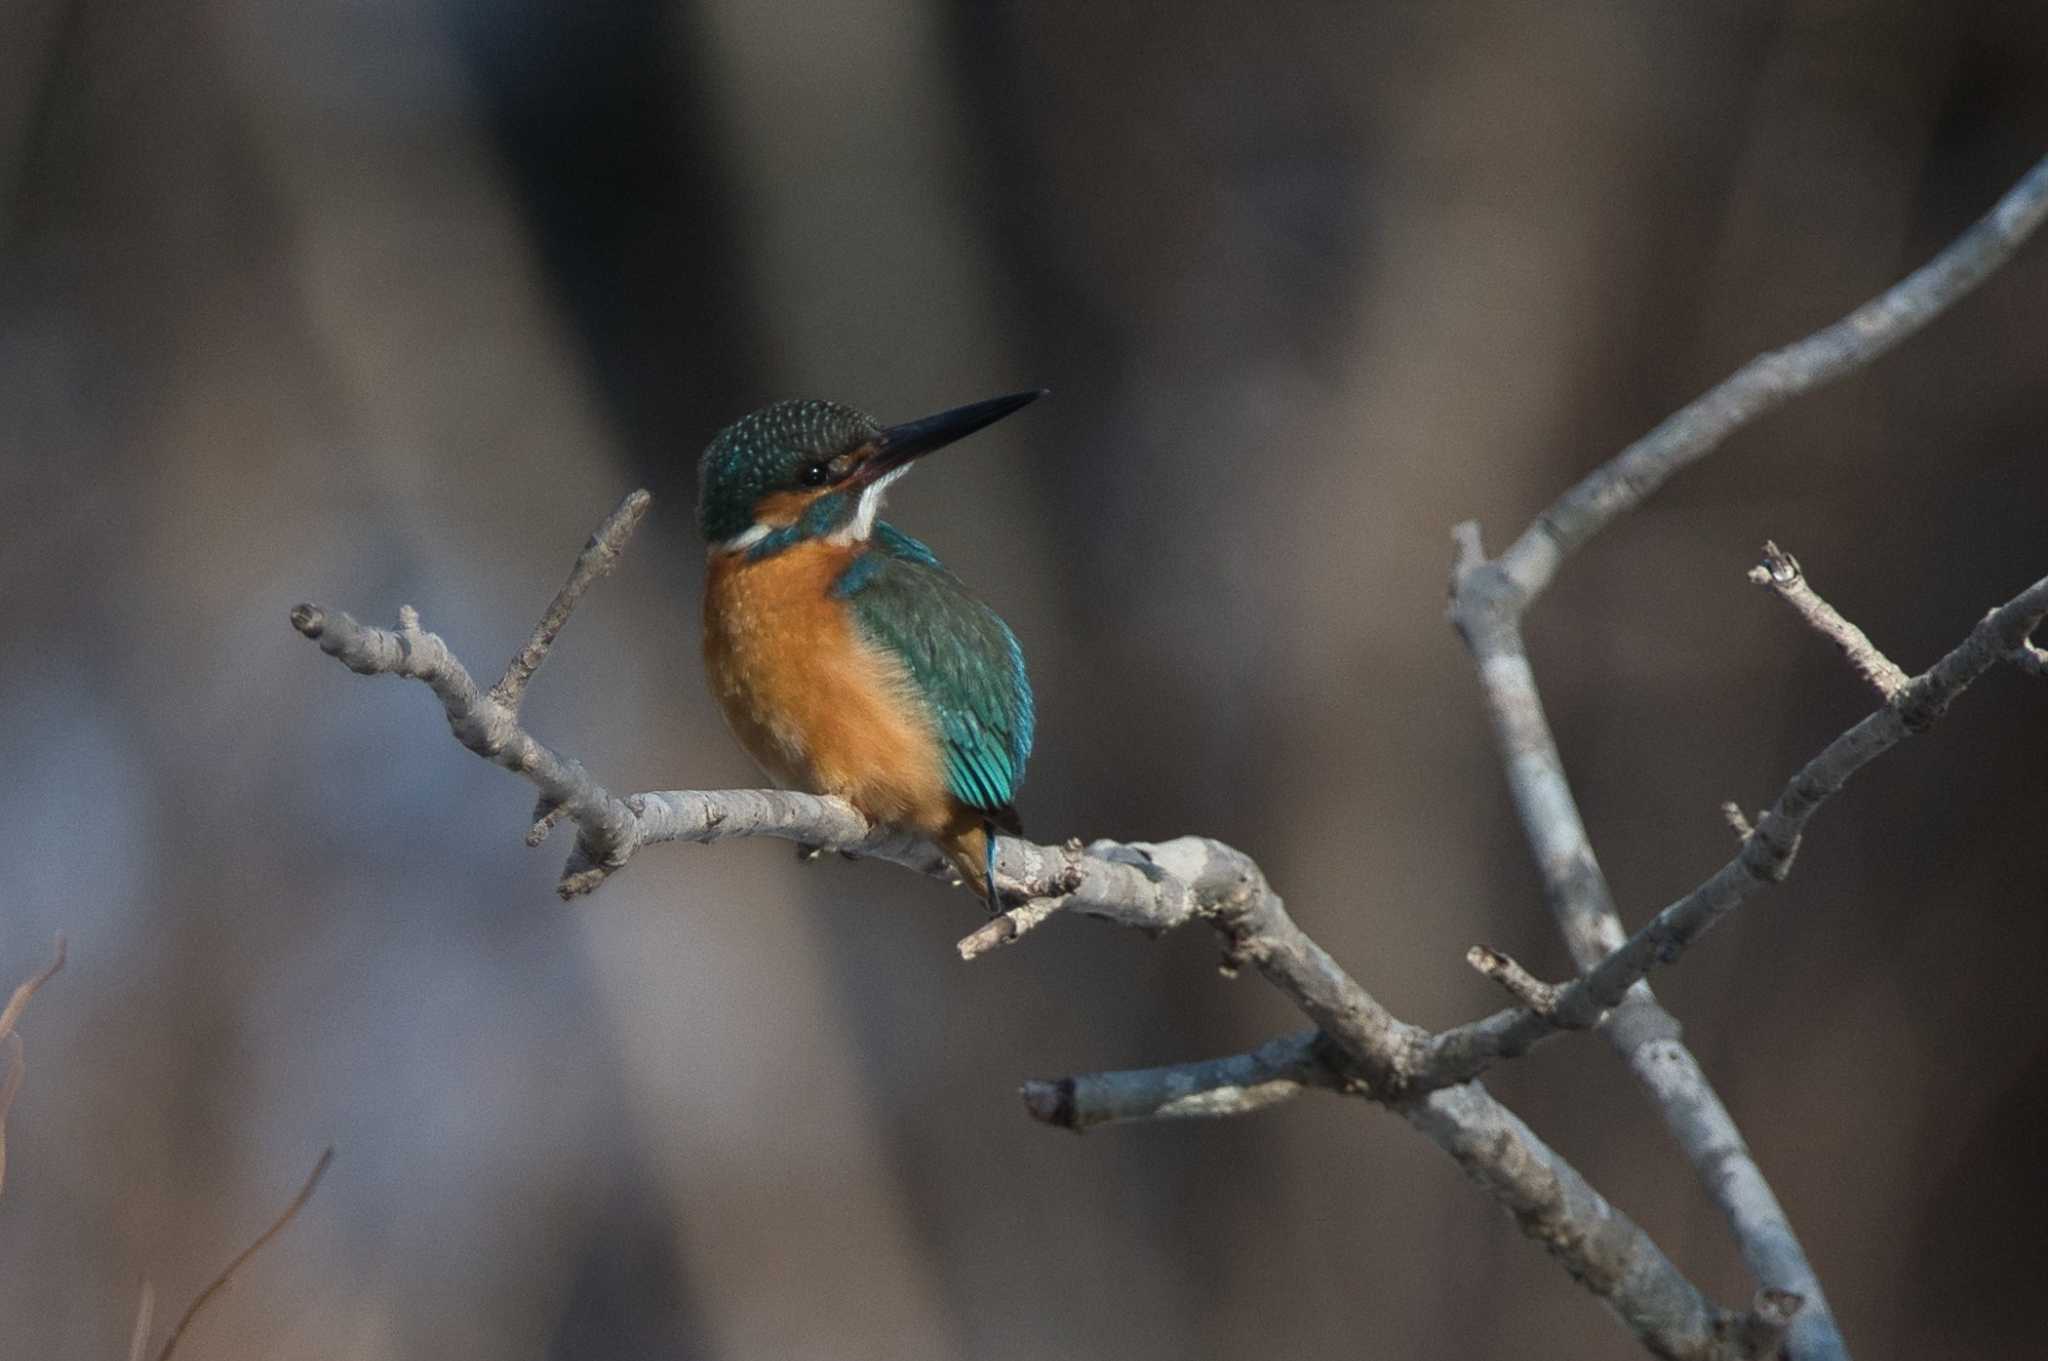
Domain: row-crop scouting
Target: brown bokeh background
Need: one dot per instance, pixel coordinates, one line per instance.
(383, 303)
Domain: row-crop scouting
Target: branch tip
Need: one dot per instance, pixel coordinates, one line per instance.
(59, 951)
(1051, 1103)
(1778, 567)
(1375, 1046)
(1531, 991)
(1005, 927)
(1757, 1334)
(546, 815)
(1468, 551)
(1780, 571)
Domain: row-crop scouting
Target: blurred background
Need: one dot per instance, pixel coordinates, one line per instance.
(377, 303)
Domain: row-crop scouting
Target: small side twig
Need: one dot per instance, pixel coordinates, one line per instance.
(1780, 571)
(597, 559)
(1532, 992)
(1006, 927)
(1738, 821)
(227, 1275)
(1033, 912)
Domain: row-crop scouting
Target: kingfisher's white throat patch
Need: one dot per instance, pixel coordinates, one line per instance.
(740, 543)
(863, 522)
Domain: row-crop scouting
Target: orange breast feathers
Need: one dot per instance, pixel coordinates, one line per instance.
(819, 707)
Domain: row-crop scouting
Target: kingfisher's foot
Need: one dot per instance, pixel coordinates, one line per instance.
(806, 853)
(988, 870)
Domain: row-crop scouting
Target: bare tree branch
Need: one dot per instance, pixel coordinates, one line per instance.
(1464, 1052)
(1488, 599)
(1151, 887)
(227, 1275)
(1360, 1047)
(1487, 614)
(1765, 857)
(1780, 571)
(16, 1066)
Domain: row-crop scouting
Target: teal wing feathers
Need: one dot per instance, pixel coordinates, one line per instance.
(963, 659)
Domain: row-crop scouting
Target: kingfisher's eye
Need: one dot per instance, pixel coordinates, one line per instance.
(813, 475)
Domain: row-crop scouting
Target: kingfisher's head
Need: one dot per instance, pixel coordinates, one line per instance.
(813, 469)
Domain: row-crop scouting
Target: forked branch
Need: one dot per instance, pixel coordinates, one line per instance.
(1488, 599)
(1358, 1046)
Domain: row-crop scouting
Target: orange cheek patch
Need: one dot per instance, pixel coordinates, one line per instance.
(781, 509)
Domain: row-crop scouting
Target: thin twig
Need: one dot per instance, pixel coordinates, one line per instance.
(145, 1319)
(596, 560)
(227, 1275)
(11, 1014)
(1780, 571)
(1006, 928)
(16, 1068)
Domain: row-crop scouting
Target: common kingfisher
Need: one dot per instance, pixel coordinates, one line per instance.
(847, 659)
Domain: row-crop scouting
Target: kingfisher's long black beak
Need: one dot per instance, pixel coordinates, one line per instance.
(899, 444)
